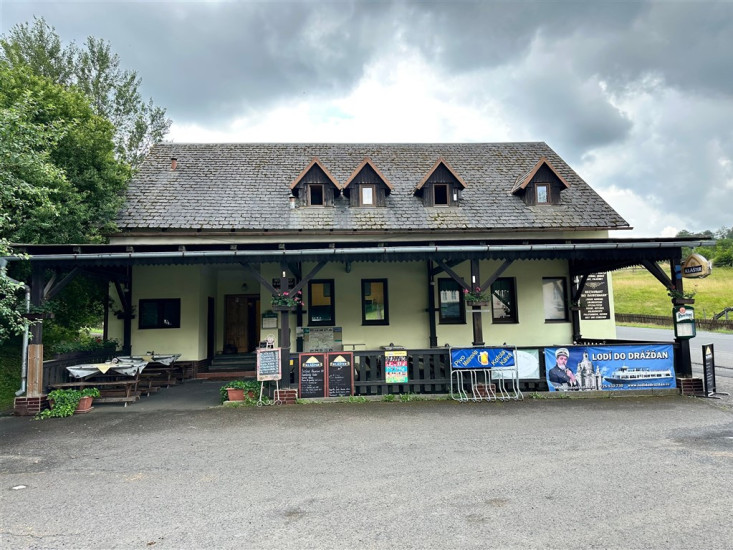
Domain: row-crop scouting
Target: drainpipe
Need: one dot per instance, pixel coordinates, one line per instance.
(24, 353)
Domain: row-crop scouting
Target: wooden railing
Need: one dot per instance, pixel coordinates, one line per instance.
(54, 370)
(428, 371)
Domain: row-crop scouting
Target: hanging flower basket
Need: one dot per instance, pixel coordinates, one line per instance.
(283, 308)
(476, 297)
(478, 303)
(683, 301)
(286, 301)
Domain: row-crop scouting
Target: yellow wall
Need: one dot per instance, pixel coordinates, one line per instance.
(408, 302)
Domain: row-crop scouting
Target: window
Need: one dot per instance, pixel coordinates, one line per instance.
(368, 195)
(554, 294)
(163, 313)
(543, 194)
(315, 194)
(450, 302)
(321, 311)
(374, 305)
(441, 194)
(504, 301)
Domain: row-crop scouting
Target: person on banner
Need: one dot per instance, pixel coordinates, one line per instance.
(560, 375)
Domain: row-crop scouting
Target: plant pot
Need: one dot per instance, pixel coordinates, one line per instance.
(235, 394)
(478, 304)
(85, 405)
(683, 301)
(283, 308)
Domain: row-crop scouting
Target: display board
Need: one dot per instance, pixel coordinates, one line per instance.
(595, 298)
(311, 375)
(321, 339)
(340, 381)
(395, 367)
(268, 364)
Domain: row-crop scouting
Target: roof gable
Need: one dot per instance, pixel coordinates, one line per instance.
(523, 180)
(437, 164)
(314, 162)
(368, 162)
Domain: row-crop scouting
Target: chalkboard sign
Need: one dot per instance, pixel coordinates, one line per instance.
(268, 364)
(312, 375)
(340, 374)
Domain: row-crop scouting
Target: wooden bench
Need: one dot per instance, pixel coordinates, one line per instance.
(160, 376)
(116, 390)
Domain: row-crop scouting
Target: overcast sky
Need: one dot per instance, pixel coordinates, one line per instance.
(636, 96)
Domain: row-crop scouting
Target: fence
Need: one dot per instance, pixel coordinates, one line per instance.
(428, 371)
(666, 321)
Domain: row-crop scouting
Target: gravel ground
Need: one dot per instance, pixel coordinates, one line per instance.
(633, 472)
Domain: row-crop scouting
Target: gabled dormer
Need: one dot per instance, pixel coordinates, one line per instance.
(441, 186)
(367, 187)
(315, 186)
(541, 185)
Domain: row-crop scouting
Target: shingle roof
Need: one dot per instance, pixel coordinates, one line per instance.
(245, 186)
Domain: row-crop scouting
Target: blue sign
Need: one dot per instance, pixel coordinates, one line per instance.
(481, 358)
(581, 368)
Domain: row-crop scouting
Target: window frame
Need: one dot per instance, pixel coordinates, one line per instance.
(447, 188)
(373, 189)
(385, 294)
(564, 280)
(322, 187)
(161, 313)
(546, 187)
(461, 318)
(332, 306)
(513, 318)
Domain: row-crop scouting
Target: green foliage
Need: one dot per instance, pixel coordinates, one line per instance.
(65, 402)
(389, 398)
(83, 342)
(722, 253)
(95, 70)
(246, 385)
(355, 399)
(406, 397)
(10, 354)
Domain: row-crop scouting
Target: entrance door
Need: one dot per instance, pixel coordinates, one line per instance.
(241, 322)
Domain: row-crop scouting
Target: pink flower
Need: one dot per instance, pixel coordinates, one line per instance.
(285, 293)
(465, 291)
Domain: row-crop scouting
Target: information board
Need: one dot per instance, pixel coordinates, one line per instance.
(312, 375)
(708, 367)
(340, 374)
(268, 364)
(322, 339)
(595, 298)
(395, 367)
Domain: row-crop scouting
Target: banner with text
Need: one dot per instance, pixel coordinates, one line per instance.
(587, 368)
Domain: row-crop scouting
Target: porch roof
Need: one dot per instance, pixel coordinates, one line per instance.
(586, 255)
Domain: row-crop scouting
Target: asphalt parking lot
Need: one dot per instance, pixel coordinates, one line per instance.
(635, 472)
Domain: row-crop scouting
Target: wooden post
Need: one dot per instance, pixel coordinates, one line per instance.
(575, 293)
(683, 362)
(284, 337)
(478, 331)
(432, 329)
(35, 349)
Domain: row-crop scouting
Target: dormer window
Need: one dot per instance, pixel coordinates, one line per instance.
(314, 186)
(441, 186)
(543, 193)
(541, 185)
(315, 194)
(367, 187)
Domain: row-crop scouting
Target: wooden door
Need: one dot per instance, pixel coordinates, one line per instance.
(241, 322)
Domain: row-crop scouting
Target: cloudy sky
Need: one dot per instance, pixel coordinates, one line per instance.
(636, 96)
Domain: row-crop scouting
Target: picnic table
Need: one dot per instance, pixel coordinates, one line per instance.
(112, 388)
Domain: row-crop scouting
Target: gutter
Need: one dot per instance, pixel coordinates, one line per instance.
(385, 250)
(24, 353)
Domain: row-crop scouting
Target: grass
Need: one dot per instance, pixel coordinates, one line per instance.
(637, 291)
(9, 375)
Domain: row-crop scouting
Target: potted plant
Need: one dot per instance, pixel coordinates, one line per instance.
(66, 402)
(286, 301)
(240, 390)
(476, 297)
(680, 298)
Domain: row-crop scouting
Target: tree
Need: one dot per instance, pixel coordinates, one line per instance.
(58, 174)
(94, 69)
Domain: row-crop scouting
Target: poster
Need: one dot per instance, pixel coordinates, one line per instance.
(481, 358)
(528, 366)
(595, 298)
(395, 367)
(320, 339)
(586, 368)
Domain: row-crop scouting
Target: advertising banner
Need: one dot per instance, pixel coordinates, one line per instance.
(395, 367)
(585, 368)
(481, 358)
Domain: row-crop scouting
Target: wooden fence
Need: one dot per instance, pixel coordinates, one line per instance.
(666, 321)
(428, 371)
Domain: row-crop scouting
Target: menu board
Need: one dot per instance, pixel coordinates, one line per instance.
(322, 339)
(268, 364)
(312, 375)
(340, 374)
(595, 298)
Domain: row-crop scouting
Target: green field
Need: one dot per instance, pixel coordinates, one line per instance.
(637, 291)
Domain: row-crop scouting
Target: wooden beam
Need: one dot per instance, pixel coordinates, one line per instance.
(457, 278)
(264, 282)
(308, 277)
(452, 263)
(51, 292)
(581, 287)
(661, 276)
(490, 281)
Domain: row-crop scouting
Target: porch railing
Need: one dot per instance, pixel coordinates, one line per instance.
(428, 371)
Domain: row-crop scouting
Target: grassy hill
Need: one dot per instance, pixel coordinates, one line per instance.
(637, 291)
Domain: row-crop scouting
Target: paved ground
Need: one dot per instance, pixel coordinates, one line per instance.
(170, 472)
